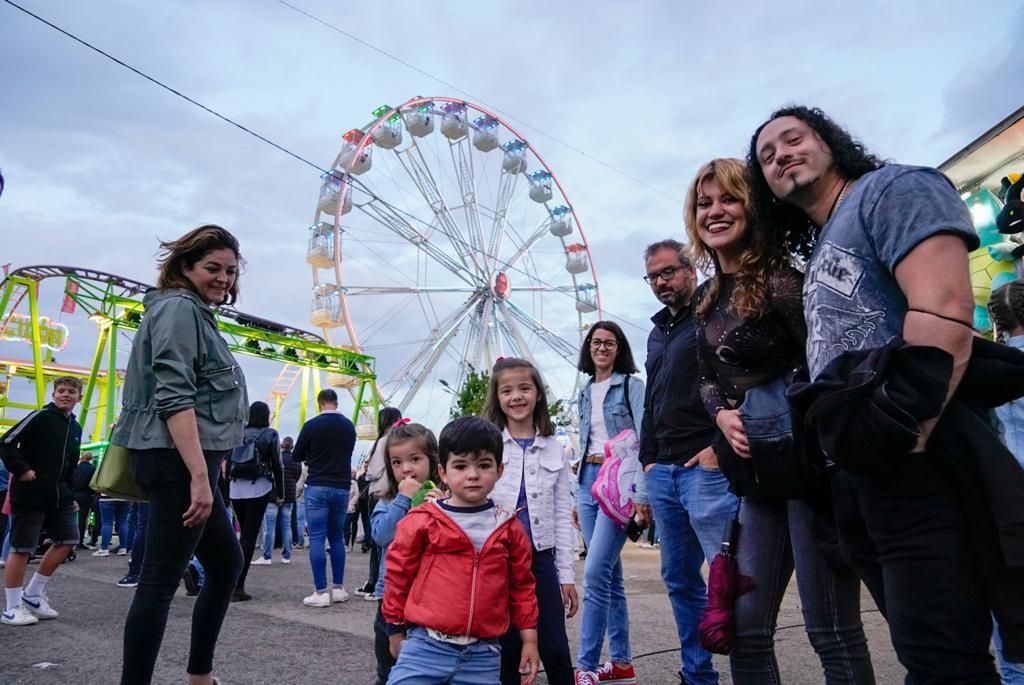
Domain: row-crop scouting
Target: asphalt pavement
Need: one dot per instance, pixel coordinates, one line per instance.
(275, 640)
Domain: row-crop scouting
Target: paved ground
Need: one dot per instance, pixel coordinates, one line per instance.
(275, 639)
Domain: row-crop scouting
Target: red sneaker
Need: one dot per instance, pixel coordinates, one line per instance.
(612, 673)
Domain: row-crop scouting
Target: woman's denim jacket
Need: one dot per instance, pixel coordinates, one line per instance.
(1011, 416)
(616, 415)
(179, 361)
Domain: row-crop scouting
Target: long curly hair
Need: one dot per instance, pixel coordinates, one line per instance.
(850, 157)
(764, 253)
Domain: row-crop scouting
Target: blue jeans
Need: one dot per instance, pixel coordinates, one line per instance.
(775, 538)
(691, 508)
(325, 514)
(604, 597)
(140, 525)
(270, 526)
(1012, 672)
(300, 521)
(115, 511)
(425, 661)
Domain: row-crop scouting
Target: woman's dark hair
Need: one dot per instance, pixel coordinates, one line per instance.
(852, 161)
(624, 363)
(259, 415)
(492, 407)
(386, 418)
(425, 440)
(1006, 307)
(188, 250)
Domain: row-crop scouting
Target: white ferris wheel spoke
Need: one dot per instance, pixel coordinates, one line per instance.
(388, 217)
(403, 290)
(462, 159)
(552, 339)
(506, 191)
(416, 166)
(519, 342)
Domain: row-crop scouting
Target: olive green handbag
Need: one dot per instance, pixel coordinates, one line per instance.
(113, 477)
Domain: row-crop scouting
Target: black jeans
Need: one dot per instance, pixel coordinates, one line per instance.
(250, 519)
(906, 537)
(552, 641)
(85, 502)
(382, 647)
(170, 545)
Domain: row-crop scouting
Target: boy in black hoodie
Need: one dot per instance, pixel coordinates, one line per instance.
(41, 452)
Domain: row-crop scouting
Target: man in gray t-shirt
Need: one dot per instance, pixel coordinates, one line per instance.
(889, 260)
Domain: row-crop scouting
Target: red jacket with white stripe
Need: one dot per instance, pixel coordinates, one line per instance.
(436, 579)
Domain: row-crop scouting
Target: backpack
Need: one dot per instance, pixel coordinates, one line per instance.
(615, 485)
(245, 460)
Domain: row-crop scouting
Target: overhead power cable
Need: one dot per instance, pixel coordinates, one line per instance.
(475, 99)
(281, 148)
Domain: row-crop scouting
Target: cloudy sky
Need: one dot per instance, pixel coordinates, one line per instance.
(99, 163)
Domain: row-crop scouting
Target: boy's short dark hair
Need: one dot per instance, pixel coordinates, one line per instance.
(326, 396)
(470, 435)
(74, 382)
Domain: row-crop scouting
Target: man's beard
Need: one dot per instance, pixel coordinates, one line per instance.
(673, 298)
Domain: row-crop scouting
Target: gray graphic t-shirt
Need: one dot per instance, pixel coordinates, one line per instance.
(851, 298)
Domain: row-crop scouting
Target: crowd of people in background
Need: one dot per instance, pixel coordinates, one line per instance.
(822, 392)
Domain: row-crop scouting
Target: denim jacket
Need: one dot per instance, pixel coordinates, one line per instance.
(179, 361)
(616, 416)
(1011, 415)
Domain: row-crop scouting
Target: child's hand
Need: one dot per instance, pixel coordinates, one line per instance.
(409, 486)
(529, 659)
(570, 600)
(434, 493)
(395, 644)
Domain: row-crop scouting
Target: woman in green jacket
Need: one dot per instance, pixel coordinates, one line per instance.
(183, 409)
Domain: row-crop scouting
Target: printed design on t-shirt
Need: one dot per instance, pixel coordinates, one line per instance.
(838, 324)
(838, 269)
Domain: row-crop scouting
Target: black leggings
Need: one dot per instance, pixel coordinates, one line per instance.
(250, 519)
(169, 547)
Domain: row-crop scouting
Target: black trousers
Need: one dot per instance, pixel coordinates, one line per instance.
(85, 502)
(552, 641)
(250, 519)
(169, 547)
(374, 549)
(382, 647)
(906, 536)
(4, 519)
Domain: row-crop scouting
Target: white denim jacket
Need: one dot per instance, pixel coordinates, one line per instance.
(547, 495)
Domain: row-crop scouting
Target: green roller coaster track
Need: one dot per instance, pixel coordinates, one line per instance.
(115, 304)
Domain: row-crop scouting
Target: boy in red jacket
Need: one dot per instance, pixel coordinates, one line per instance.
(458, 573)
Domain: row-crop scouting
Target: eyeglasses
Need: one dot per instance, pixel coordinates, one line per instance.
(665, 274)
(606, 344)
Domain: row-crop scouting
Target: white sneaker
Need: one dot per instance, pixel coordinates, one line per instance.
(286, 561)
(18, 616)
(39, 607)
(101, 553)
(122, 551)
(262, 561)
(3, 563)
(320, 600)
(338, 594)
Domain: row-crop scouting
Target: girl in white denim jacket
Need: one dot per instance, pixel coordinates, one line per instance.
(535, 485)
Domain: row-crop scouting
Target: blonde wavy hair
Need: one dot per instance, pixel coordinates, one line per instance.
(763, 254)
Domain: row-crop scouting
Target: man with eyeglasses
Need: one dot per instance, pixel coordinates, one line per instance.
(689, 496)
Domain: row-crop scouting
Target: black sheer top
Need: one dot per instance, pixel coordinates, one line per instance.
(735, 354)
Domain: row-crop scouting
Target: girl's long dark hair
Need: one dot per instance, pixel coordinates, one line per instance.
(852, 161)
(492, 407)
(425, 441)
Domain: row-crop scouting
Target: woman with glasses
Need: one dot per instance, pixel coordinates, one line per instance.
(611, 402)
(751, 331)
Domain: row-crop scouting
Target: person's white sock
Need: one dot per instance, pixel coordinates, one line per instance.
(13, 598)
(37, 585)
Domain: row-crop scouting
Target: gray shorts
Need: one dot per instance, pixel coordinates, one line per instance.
(61, 526)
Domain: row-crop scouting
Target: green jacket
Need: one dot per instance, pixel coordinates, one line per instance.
(179, 361)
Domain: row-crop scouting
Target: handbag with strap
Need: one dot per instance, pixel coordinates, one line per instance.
(113, 476)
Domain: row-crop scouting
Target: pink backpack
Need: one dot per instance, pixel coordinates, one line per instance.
(616, 481)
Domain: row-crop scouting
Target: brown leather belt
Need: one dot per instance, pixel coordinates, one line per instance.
(594, 459)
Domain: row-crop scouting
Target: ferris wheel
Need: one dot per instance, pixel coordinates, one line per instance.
(441, 240)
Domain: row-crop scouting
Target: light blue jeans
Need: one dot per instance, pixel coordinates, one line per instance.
(691, 508)
(604, 597)
(270, 526)
(325, 514)
(425, 661)
(1011, 672)
(300, 521)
